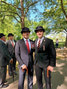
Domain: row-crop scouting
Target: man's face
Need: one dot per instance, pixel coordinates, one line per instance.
(3, 38)
(11, 37)
(26, 35)
(40, 33)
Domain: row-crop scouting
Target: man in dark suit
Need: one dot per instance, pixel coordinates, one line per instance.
(45, 58)
(24, 55)
(4, 59)
(11, 47)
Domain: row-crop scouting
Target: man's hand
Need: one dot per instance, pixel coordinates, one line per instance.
(24, 68)
(11, 61)
(50, 68)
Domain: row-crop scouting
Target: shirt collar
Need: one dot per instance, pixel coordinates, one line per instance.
(25, 39)
(41, 38)
(11, 40)
(2, 41)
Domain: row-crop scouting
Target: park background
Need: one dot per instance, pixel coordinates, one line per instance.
(52, 15)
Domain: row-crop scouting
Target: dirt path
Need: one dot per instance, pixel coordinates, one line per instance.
(59, 78)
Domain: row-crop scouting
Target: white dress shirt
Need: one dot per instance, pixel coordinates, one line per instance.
(40, 41)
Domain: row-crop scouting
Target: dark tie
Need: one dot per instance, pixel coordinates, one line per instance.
(38, 44)
(27, 44)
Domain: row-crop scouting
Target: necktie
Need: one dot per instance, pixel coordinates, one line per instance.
(27, 44)
(38, 44)
(12, 43)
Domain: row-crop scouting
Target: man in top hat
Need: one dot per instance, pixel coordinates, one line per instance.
(11, 47)
(24, 55)
(45, 58)
(4, 59)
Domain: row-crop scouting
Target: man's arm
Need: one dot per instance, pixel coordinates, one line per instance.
(6, 53)
(52, 56)
(17, 53)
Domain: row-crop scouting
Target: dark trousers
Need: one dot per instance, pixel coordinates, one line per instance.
(12, 66)
(39, 71)
(22, 78)
(3, 74)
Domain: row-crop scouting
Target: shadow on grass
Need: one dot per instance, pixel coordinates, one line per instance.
(58, 76)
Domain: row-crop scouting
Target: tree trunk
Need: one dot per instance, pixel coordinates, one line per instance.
(66, 41)
(22, 14)
(63, 10)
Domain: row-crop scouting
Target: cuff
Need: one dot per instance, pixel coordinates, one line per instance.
(22, 65)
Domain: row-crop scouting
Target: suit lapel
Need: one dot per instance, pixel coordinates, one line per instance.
(36, 42)
(43, 42)
(23, 42)
(25, 45)
(9, 42)
(36, 45)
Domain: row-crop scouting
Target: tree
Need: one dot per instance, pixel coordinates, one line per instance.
(55, 12)
(7, 26)
(65, 14)
(17, 9)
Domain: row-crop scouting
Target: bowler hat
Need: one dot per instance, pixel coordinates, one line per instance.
(25, 29)
(39, 28)
(10, 34)
(1, 35)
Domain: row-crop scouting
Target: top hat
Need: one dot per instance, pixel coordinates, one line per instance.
(10, 34)
(25, 29)
(1, 35)
(39, 28)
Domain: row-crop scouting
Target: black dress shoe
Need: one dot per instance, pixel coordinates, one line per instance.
(3, 85)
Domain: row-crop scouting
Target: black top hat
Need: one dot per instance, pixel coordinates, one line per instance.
(1, 35)
(25, 29)
(10, 34)
(39, 28)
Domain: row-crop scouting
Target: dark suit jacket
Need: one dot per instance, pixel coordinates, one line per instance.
(4, 54)
(11, 48)
(22, 54)
(46, 55)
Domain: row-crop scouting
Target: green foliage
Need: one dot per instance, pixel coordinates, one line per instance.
(10, 16)
(54, 14)
(53, 20)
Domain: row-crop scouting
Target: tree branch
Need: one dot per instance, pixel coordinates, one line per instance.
(14, 17)
(63, 9)
(13, 13)
(31, 4)
(10, 5)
